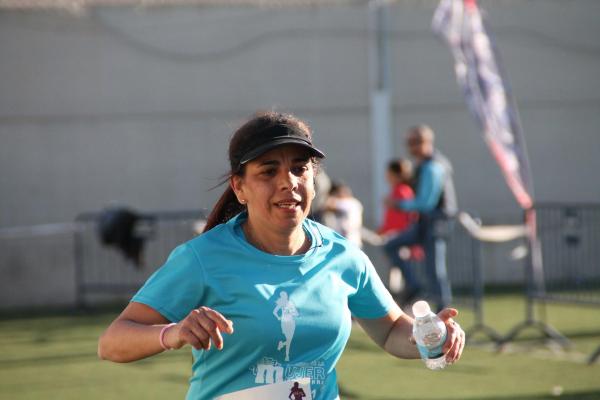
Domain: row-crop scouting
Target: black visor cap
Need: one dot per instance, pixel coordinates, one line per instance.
(273, 137)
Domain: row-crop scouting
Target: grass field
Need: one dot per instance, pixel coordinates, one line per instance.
(54, 357)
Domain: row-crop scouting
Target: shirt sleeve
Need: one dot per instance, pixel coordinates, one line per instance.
(371, 299)
(429, 189)
(176, 288)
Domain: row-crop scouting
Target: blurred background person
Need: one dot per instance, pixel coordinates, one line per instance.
(322, 190)
(344, 213)
(399, 177)
(435, 200)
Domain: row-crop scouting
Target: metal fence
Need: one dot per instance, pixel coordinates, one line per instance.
(569, 235)
(570, 241)
(36, 265)
(570, 238)
(102, 270)
(466, 273)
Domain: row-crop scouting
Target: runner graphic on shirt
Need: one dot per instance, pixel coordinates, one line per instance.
(297, 392)
(288, 325)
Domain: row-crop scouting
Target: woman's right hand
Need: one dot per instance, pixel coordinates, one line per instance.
(201, 327)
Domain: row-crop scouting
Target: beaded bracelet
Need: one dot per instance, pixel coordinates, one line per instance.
(161, 336)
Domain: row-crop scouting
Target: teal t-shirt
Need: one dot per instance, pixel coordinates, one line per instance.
(291, 314)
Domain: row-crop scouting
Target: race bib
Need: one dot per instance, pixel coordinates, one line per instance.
(298, 389)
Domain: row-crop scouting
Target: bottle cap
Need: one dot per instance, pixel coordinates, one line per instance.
(420, 309)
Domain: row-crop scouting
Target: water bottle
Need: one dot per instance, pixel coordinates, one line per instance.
(429, 332)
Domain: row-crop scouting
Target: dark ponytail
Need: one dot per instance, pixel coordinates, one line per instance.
(226, 208)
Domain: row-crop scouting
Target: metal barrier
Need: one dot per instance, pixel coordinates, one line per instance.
(569, 236)
(102, 270)
(466, 274)
(36, 265)
(474, 235)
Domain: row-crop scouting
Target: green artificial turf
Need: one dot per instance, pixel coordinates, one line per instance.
(54, 357)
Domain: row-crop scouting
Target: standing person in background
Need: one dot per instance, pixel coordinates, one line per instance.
(399, 177)
(435, 201)
(262, 267)
(344, 213)
(322, 189)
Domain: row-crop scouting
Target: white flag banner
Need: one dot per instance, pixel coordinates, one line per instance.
(487, 92)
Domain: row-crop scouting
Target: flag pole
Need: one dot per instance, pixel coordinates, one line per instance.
(489, 98)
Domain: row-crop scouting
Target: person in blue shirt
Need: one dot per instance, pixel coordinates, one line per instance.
(435, 201)
(264, 296)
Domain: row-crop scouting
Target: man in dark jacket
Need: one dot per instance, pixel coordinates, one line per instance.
(435, 201)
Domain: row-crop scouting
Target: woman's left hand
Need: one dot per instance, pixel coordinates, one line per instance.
(455, 339)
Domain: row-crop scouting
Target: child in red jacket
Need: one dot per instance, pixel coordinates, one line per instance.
(399, 177)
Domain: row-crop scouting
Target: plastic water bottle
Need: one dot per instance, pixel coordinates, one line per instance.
(429, 332)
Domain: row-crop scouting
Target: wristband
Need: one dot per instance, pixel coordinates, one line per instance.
(161, 336)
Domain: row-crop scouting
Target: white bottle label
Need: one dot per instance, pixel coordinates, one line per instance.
(432, 352)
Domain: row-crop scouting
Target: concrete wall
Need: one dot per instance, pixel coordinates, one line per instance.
(135, 106)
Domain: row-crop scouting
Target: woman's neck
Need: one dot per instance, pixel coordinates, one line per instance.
(278, 243)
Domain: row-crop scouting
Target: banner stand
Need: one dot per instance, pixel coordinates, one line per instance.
(478, 289)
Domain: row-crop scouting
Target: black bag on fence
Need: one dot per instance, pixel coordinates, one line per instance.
(116, 228)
